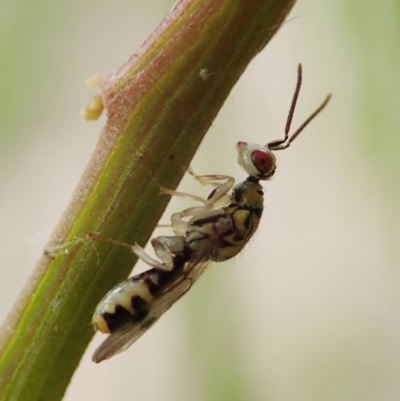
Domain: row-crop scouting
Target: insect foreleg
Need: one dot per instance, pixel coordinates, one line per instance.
(215, 195)
(209, 179)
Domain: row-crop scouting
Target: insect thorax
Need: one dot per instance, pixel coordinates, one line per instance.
(249, 194)
(221, 234)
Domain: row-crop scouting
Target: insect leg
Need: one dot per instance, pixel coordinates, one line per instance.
(182, 195)
(209, 179)
(175, 244)
(215, 195)
(142, 254)
(165, 248)
(218, 195)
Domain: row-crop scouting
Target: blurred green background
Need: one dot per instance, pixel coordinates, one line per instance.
(310, 310)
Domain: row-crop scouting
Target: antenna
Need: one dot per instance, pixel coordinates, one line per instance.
(279, 144)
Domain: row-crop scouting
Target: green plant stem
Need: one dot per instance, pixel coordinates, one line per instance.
(160, 104)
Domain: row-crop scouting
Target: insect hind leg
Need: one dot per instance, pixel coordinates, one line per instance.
(165, 248)
(183, 195)
(143, 255)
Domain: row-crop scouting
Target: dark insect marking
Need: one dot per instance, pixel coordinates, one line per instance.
(194, 236)
(140, 306)
(211, 219)
(154, 288)
(238, 194)
(212, 193)
(181, 258)
(165, 277)
(121, 316)
(117, 319)
(238, 237)
(225, 243)
(229, 232)
(248, 222)
(235, 195)
(139, 277)
(252, 179)
(257, 211)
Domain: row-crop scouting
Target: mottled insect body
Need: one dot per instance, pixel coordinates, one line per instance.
(221, 233)
(134, 305)
(213, 232)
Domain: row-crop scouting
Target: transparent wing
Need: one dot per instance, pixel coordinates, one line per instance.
(124, 337)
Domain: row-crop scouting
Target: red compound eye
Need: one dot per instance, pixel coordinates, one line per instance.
(263, 161)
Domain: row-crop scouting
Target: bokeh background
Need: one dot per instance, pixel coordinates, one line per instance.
(310, 310)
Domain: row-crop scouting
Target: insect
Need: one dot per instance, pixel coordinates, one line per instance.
(213, 232)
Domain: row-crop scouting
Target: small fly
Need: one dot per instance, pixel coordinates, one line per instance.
(213, 232)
